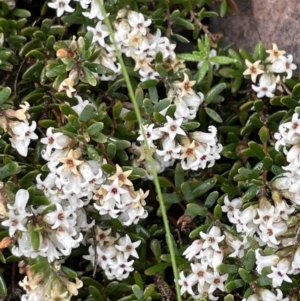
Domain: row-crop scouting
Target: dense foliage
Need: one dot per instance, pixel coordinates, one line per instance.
(141, 159)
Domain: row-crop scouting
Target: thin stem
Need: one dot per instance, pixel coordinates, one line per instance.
(153, 170)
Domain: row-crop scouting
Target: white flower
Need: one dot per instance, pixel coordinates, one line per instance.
(114, 191)
(150, 133)
(170, 150)
(194, 249)
(21, 199)
(55, 140)
(217, 282)
(270, 230)
(127, 247)
(267, 295)
(213, 238)
(284, 64)
(15, 222)
(61, 6)
(186, 284)
(172, 127)
(122, 267)
(266, 86)
(279, 273)
(265, 261)
(95, 11)
(231, 206)
(137, 21)
(295, 269)
(200, 273)
(100, 32)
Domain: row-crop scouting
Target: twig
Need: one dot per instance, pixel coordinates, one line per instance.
(17, 76)
(169, 23)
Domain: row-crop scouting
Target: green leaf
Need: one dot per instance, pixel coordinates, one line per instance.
(187, 191)
(190, 57)
(95, 293)
(164, 182)
(148, 83)
(156, 268)
(111, 150)
(48, 209)
(179, 175)
(250, 193)
(204, 187)
(216, 90)
(213, 115)
(245, 275)
(95, 128)
(235, 284)
(138, 292)
(264, 134)
(256, 150)
(29, 179)
(3, 288)
(228, 268)
(4, 95)
(156, 249)
(229, 297)
(194, 209)
(87, 113)
(91, 282)
(21, 13)
(88, 77)
(35, 239)
(210, 200)
(223, 8)
(148, 106)
(68, 272)
(268, 163)
(67, 110)
(41, 200)
(161, 105)
(117, 109)
(9, 169)
(222, 60)
(248, 261)
(190, 125)
(185, 23)
(218, 212)
(203, 70)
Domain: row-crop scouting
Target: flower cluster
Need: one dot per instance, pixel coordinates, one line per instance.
(276, 63)
(206, 255)
(269, 223)
(169, 142)
(289, 137)
(112, 254)
(16, 123)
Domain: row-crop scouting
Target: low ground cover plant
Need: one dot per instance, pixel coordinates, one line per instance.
(135, 169)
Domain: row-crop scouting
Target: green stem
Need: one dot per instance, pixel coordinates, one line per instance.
(153, 170)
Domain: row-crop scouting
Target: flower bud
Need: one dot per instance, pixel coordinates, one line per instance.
(62, 53)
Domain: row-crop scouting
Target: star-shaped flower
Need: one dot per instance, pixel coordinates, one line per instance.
(253, 70)
(122, 176)
(186, 85)
(172, 127)
(71, 162)
(274, 53)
